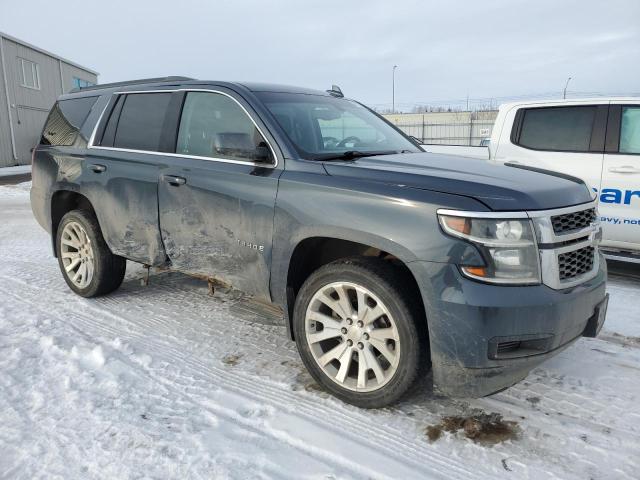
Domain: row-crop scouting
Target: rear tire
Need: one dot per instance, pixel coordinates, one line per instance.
(85, 260)
(358, 329)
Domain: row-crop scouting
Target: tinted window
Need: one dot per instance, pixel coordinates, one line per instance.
(214, 125)
(561, 129)
(630, 130)
(112, 122)
(140, 123)
(65, 120)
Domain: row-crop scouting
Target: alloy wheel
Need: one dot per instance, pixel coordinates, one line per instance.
(352, 336)
(77, 256)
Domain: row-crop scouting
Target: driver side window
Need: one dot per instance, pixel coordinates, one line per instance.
(346, 131)
(214, 125)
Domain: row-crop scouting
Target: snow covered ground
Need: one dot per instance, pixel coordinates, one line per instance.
(165, 381)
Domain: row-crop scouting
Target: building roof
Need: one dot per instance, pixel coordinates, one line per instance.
(45, 52)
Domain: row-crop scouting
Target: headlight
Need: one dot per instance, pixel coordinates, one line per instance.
(507, 245)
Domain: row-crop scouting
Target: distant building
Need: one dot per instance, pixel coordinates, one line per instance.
(30, 81)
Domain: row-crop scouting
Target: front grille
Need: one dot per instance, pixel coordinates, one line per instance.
(573, 221)
(572, 264)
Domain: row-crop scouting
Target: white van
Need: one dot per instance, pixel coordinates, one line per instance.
(597, 140)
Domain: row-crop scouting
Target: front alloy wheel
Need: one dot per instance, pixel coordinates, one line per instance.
(360, 330)
(352, 336)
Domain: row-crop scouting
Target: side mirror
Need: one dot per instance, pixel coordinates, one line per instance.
(262, 154)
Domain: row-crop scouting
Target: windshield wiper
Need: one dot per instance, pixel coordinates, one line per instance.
(353, 154)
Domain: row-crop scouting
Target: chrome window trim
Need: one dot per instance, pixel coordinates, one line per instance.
(91, 145)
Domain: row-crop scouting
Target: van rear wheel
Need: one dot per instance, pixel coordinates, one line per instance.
(356, 330)
(86, 262)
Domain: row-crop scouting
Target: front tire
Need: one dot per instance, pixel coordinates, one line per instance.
(356, 327)
(85, 260)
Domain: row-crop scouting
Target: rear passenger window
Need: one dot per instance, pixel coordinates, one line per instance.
(630, 130)
(214, 125)
(65, 120)
(562, 129)
(139, 126)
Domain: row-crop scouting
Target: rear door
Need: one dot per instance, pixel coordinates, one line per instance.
(620, 192)
(216, 196)
(121, 174)
(566, 139)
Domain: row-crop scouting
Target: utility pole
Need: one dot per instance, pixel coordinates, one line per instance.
(564, 93)
(393, 89)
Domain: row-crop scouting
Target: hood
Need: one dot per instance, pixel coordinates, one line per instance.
(500, 187)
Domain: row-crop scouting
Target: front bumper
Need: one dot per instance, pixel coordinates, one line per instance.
(470, 323)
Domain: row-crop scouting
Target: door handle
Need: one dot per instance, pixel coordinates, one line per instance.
(96, 167)
(174, 180)
(624, 169)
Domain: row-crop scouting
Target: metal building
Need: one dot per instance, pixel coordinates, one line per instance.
(30, 81)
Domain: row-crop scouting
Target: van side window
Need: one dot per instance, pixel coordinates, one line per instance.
(140, 123)
(561, 129)
(213, 125)
(630, 130)
(65, 120)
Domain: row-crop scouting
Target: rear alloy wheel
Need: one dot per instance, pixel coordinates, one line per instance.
(76, 253)
(355, 324)
(86, 262)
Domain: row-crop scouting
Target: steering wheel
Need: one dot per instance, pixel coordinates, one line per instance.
(329, 142)
(351, 139)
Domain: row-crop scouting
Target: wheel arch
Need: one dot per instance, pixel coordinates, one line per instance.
(312, 252)
(62, 202)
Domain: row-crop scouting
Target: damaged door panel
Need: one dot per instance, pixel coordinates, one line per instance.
(216, 199)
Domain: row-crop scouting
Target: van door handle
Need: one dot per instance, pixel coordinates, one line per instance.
(625, 169)
(96, 167)
(174, 180)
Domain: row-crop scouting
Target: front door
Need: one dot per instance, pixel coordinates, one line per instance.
(620, 193)
(217, 194)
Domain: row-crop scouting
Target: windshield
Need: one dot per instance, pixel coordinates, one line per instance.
(324, 127)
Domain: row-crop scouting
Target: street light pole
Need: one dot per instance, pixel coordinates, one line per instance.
(564, 94)
(393, 90)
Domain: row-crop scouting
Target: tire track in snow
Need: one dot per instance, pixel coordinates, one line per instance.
(162, 319)
(362, 431)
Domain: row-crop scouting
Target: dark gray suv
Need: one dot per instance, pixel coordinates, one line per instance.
(385, 261)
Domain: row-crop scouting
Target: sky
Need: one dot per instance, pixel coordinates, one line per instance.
(489, 50)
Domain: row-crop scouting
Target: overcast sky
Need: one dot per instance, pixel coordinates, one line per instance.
(444, 49)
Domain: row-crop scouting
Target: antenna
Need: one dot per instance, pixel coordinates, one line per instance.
(335, 91)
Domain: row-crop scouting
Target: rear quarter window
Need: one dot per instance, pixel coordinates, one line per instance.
(139, 126)
(560, 129)
(65, 121)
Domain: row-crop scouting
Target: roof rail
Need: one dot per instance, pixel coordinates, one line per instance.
(132, 82)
